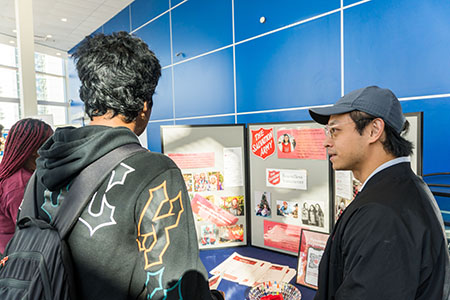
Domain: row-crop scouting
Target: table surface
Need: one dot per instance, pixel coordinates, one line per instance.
(233, 291)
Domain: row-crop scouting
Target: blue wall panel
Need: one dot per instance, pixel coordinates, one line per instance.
(120, 22)
(282, 116)
(157, 35)
(154, 135)
(201, 26)
(204, 86)
(277, 13)
(295, 67)
(143, 11)
(435, 136)
(349, 2)
(399, 44)
(175, 2)
(206, 121)
(162, 99)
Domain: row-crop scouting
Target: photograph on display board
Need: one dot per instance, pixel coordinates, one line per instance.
(312, 246)
(287, 209)
(233, 204)
(208, 234)
(215, 181)
(228, 234)
(312, 214)
(188, 179)
(286, 143)
(263, 207)
(299, 143)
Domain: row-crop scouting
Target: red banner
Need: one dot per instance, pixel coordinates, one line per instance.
(263, 144)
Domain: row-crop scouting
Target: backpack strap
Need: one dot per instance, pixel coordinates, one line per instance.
(83, 186)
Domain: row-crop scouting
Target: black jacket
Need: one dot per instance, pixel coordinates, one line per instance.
(388, 244)
(136, 238)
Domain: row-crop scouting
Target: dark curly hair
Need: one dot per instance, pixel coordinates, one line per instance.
(118, 73)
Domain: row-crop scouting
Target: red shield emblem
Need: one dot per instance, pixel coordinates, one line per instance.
(274, 177)
(263, 144)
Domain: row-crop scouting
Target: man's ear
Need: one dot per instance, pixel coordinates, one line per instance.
(376, 130)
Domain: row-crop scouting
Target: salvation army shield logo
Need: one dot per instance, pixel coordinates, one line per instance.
(263, 144)
(274, 177)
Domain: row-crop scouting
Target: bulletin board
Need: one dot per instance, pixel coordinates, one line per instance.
(212, 161)
(290, 183)
(346, 186)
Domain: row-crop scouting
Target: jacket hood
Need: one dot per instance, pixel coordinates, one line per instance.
(71, 149)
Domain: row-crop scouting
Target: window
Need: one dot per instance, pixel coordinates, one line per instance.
(50, 87)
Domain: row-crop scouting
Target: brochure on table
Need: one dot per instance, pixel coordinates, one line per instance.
(212, 160)
(290, 183)
(346, 186)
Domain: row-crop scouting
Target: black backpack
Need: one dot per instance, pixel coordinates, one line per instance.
(37, 264)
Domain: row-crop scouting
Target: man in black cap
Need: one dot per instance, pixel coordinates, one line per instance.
(389, 243)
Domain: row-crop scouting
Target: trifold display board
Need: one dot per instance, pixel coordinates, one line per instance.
(346, 186)
(212, 160)
(290, 183)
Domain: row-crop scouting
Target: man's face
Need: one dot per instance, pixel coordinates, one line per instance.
(346, 147)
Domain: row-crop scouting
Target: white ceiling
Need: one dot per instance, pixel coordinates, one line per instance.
(83, 18)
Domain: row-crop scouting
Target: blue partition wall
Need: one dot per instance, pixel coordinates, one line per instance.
(246, 61)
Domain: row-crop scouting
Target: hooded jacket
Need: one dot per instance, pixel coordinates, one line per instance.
(135, 238)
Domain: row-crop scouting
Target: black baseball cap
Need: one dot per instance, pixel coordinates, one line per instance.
(378, 102)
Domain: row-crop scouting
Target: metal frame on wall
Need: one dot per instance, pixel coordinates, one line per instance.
(289, 171)
(212, 159)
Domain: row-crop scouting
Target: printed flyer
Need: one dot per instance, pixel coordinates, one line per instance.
(301, 143)
(288, 179)
(312, 246)
(282, 236)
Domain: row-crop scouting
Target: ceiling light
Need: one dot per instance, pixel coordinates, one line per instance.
(57, 53)
(49, 36)
(14, 30)
(64, 19)
(12, 42)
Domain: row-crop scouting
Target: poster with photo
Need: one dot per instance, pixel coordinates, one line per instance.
(301, 143)
(299, 180)
(213, 162)
(312, 246)
(263, 207)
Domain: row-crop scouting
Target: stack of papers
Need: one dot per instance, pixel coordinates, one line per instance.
(250, 271)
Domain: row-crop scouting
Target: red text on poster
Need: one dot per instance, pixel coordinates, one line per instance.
(282, 236)
(263, 144)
